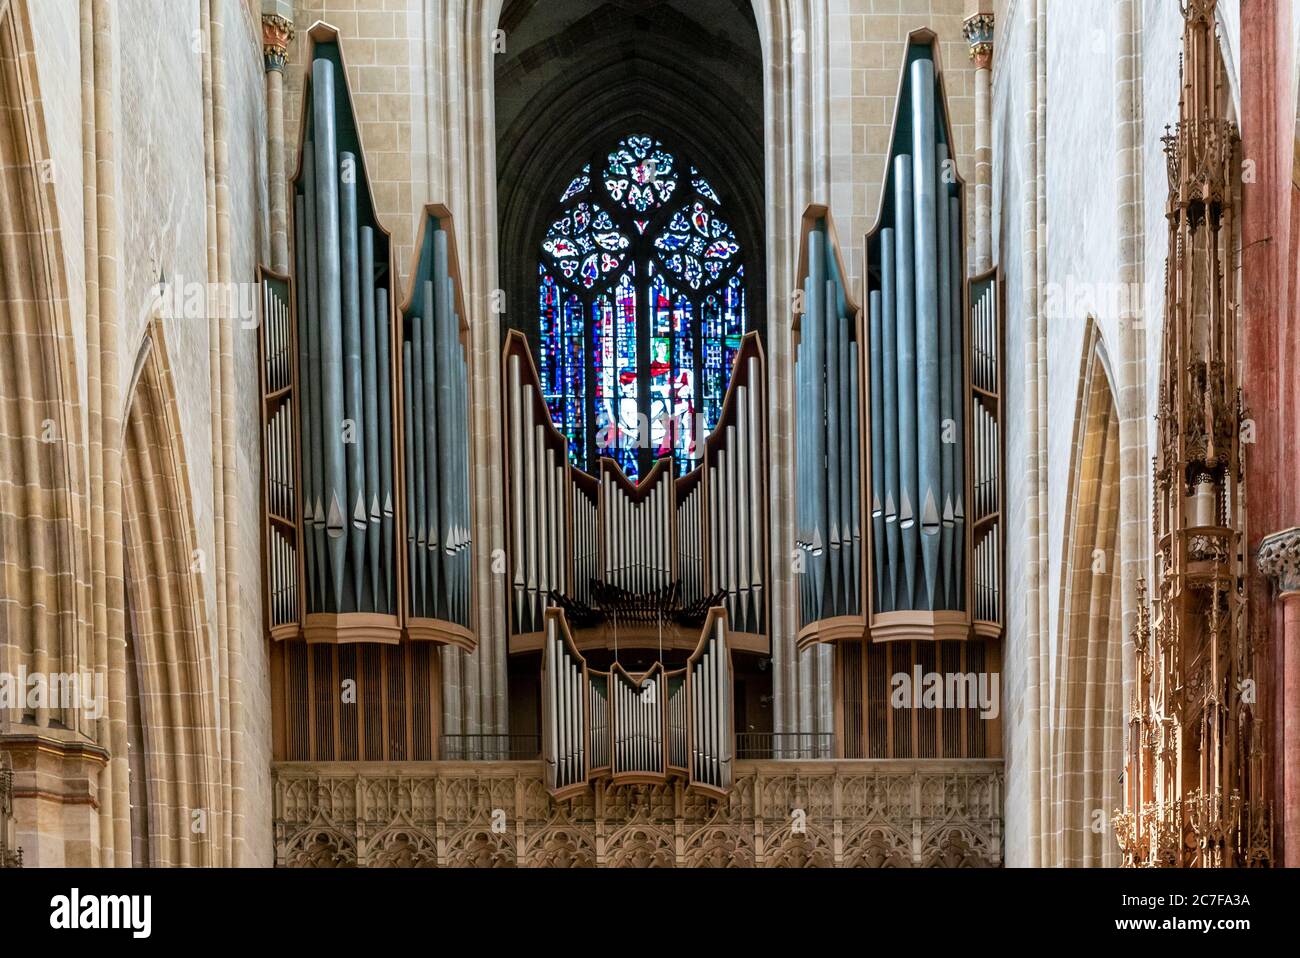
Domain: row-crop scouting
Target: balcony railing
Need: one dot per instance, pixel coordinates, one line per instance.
(857, 813)
(785, 745)
(491, 748)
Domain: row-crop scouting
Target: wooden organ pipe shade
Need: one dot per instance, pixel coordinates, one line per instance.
(366, 423)
(637, 728)
(873, 726)
(435, 409)
(393, 718)
(984, 292)
(694, 537)
(279, 456)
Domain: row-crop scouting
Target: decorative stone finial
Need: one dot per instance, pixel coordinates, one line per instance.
(979, 34)
(1279, 558)
(277, 33)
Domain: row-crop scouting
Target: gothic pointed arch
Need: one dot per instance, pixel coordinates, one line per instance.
(167, 627)
(579, 81)
(44, 603)
(1088, 729)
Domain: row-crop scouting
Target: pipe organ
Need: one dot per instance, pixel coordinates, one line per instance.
(985, 327)
(435, 411)
(898, 459)
(1196, 786)
(279, 440)
(828, 454)
(637, 728)
(638, 563)
(916, 268)
(365, 419)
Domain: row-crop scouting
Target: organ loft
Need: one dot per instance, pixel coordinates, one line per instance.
(640, 582)
(669, 433)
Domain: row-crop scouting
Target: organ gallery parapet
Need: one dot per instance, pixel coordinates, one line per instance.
(904, 814)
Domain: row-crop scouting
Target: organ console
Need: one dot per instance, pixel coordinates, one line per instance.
(365, 406)
(636, 564)
(637, 728)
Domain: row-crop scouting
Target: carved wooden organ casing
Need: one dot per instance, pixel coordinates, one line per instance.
(367, 543)
(1195, 789)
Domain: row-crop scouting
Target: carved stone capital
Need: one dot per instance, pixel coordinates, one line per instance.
(277, 34)
(979, 34)
(1279, 559)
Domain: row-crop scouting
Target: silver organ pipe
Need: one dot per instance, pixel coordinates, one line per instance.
(436, 413)
(986, 445)
(708, 690)
(690, 544)
(552, 518)
(362, 452)
(828, 474)
(917, 392)
(279, 454)
(564, 708)
(344, 429)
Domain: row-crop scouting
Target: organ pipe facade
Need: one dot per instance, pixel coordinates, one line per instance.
(1196, 784)
(436, 452)
(637, 563)
(351, 470)
(898, 465)
(917, 343)
(637, 728)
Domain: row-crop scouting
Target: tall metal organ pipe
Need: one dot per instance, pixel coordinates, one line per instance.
(345, 369)
(918, 390)
(829, 535)
(437, 439)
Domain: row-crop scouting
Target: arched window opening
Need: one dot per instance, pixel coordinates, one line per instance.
(641, 308)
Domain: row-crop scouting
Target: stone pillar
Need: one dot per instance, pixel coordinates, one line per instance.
(1279, 559)
(277, 33)
(979, 34)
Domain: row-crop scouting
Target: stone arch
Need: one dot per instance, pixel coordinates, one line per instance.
(1087, 741)
(167, 623)
(44, 591)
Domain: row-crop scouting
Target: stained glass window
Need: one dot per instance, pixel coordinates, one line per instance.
(641, 308)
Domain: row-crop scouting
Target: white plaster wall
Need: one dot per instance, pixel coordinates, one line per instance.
(1009, 186)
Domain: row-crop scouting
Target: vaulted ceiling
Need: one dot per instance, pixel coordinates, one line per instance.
(577, 75)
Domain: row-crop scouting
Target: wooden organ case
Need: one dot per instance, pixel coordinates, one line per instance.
(898, 463)
(367, 539)
(676, 564)
(1196, 782)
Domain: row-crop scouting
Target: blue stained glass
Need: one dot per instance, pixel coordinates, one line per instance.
(690, 294)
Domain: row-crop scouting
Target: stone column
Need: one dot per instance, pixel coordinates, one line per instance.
(979, 34)
(277, 33)
(1279, 559)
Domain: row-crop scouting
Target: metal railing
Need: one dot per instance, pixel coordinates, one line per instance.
(785, 745)
(491, 748)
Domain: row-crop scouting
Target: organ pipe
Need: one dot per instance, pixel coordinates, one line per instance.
(918, 391)
(828, 449)
(437, 415)
(354, 463)
(637, 728)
